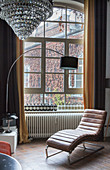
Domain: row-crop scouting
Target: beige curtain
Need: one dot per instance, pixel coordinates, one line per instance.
(89, 54)
(23, 132)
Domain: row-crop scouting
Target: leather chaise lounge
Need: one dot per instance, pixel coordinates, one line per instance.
(90, 128)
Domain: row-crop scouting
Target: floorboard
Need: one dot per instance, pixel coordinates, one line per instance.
(32, 157)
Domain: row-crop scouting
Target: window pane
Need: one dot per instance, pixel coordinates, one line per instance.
(57, 46)
(54, 83)
(74, 16)
(39, 31)
(76, 50)
(31, 99)
(57, 99)
(53, 65)
(74, 99)
(58, 15)
(32, 80)
(54, 30)
(80, 67)
(75, 81)
(42, 66)
(32, 65)
(75, 31)
(35, 49)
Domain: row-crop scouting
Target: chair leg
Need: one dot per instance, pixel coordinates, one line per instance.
(46, 151)
(69, 158)
(47, 156)
(84, 146)
(83, 157)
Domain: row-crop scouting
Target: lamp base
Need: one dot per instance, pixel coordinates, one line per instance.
(8, 131)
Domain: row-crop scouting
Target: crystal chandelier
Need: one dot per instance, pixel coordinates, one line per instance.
(25, 15)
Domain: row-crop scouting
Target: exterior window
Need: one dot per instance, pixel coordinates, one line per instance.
(44, 81)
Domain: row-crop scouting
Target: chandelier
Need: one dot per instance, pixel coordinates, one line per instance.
(23, 16)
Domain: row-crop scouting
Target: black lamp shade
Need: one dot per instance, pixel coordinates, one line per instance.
(70, 63)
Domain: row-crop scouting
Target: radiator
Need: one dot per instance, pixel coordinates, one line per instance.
(44, 125)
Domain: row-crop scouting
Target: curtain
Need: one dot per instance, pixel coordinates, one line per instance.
(100, 52)
(23, 132)
(7, 57)
(88, 54)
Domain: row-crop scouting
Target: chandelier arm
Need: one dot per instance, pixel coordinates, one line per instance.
(8, 77)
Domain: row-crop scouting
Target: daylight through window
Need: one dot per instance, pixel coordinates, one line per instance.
(44, 81)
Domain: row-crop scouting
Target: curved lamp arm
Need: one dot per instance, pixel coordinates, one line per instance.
(7, 84)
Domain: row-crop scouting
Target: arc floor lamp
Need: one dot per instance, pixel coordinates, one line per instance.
(66, 62)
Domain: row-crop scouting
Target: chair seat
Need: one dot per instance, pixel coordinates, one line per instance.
(68, 139)
(5, 148)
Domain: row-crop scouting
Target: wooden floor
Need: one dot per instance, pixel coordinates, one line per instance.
(32, 157)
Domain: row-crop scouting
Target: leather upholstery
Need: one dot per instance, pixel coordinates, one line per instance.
(89, 128)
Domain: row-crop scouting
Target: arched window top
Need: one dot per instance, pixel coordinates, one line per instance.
(67, 22)
(77, 4)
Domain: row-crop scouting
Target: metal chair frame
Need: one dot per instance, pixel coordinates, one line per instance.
(81, 158)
